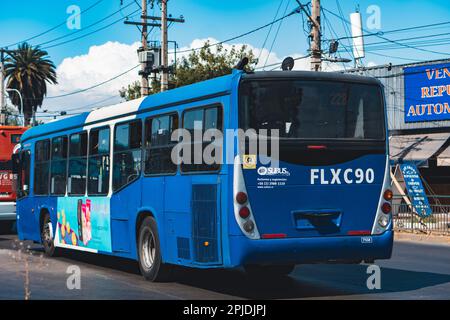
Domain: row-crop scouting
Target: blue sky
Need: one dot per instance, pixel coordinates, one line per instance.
(208, 18)
(217, 19)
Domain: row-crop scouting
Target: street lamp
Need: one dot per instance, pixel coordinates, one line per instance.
(21, 102)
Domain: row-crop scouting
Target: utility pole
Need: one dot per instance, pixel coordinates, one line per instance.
(315, 46)
(2, 89)
(164, 48)
(144, 74)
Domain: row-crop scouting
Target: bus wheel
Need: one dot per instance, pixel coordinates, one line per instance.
(149, 250)
(46, 237)
(274, 271)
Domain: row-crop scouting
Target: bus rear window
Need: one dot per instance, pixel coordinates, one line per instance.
(313, 109)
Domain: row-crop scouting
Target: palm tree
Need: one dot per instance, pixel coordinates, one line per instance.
(28, 70)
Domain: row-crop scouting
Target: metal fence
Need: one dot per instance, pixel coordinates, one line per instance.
(406, 219)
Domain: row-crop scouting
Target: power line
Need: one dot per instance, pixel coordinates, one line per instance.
(55, 27)
(87, 27)
(276, 34)
(371, 34)
(94, 86)
(270, 30)
(132, 14)
(241, 35)
(389, 40)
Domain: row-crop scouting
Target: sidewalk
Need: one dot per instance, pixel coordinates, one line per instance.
(421, 238)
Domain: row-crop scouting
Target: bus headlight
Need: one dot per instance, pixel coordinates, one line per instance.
(384, 220)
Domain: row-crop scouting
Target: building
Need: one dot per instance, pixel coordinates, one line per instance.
(418, 112)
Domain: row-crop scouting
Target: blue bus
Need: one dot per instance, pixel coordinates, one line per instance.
(105, 181)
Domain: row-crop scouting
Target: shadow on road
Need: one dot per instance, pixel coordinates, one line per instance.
(310, 281)
(307, 281)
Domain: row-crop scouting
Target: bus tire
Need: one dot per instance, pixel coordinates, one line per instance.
(46, 239)
(269, 270)
(149, 253)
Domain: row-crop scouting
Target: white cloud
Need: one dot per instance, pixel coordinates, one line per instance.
(103, 62)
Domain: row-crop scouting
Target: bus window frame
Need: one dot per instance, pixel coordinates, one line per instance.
(89, 156)
(348, 141)
(20, 195)
(144, 149)
(34, 168)
(66, 166)
(128, 150)
(70, 194)
(221, 112)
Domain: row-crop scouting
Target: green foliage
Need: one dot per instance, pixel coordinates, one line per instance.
(133, 91)
(28, 69)
(205, 64)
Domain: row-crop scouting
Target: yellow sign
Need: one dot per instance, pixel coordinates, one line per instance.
(249, 161)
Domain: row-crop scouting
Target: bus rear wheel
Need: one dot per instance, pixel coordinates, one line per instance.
(270, 270)
(149, 251)
(46, 237)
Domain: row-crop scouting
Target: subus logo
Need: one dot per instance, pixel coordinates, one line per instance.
(269, 171)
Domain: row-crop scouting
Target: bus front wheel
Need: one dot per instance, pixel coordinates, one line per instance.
(149, 251)
(270, 270)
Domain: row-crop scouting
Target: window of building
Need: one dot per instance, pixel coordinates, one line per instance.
(98, 166)
(127, 153)
(158, 144)
(41, 167)
(58, 166)
(200, 120)
(76, 184)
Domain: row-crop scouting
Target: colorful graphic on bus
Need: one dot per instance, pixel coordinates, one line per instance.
(78, 227)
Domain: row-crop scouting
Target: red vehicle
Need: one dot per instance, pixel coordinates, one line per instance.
(9, 138)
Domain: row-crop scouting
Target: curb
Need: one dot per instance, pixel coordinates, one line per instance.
(422, 238)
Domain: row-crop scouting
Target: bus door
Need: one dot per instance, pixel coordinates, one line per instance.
(25, 204)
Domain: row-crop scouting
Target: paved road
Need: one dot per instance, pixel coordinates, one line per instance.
(416, 271)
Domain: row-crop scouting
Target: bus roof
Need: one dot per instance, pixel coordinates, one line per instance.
(201, 90)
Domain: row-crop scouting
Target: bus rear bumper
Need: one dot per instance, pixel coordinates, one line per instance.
(7, 211)
(310, 250)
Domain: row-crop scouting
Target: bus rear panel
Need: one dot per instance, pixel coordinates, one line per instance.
(323, 200)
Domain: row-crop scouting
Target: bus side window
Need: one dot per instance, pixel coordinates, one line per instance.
(127, 153)
(76, 181)
(58, 166)
(98, 165)
(158, 144)
(203, 120)
(41, 167)
(23, 179)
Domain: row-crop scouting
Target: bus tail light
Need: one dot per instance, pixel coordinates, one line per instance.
(241, 198)
(388, 195)
(249, 226)
(244, 212)
(386, 208)
(383, 217)
(383, 221)
(242, 208)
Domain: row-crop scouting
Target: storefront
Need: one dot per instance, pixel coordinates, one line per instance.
(418, 110)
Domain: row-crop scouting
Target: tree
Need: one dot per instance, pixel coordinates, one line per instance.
(28, 69)
(205, 64)
(133, 91)
(200, 65)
